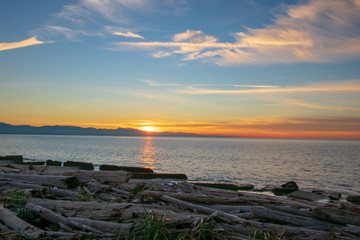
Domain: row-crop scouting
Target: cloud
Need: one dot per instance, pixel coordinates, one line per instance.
(340, 86)
(128, 34)
(25, 43)
(316, 31)
(303, 103)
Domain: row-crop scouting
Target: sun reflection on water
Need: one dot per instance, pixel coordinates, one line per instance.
(148, 154)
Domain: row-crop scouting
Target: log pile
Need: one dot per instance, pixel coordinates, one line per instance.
(72, 204)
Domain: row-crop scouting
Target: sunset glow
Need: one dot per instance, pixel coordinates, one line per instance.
(148, 129)
(272, 69)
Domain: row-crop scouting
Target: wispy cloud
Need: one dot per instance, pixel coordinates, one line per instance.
(25, 43)
(340, 86)
(306, 104)
(317, 31)
(128, 34)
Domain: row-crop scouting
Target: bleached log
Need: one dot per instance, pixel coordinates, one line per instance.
(104, 176)
(214, 191)
(115, 212)
(79, 235)
(96, 185)
(221, 215)
(192, 197)
(9, 170)
(59, 181)
(288, 231)
(290, 210)
(336, 215)
(18, 225)
(19, 184)
(55, 218)
(64, 193)
(286, 218)
(351, 229)
(108, 227)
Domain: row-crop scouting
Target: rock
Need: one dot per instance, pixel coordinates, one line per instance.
(82, 165)
(306, 196)
(335, 196)
(290, 185)
(107, 167)
(52, 163)
(245, 187)
(15, 158)
(34, 163)
(179, 176)
(285, 189)
(353, 199)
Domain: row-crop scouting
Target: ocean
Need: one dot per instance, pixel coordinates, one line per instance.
(332, 165)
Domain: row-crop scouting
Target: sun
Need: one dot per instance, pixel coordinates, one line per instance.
(148, 129)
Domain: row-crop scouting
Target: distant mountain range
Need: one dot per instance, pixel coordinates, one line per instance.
(71, 130)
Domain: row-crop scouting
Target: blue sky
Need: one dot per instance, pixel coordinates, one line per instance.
(244, 68)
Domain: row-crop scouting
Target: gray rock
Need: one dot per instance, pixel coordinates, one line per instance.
(353, 199)
(307, 196)
(15, 158)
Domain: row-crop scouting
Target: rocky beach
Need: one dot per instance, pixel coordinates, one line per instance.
(71, 200)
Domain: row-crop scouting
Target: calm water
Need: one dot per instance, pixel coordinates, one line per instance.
(320, 164)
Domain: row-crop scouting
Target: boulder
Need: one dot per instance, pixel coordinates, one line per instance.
(285, 189)
(15, 158)
(353, 199)
(290, 185)
(81, 165)
(107, 167)
(179, 176)
(306, 196)
(52, 163)
(335, 196)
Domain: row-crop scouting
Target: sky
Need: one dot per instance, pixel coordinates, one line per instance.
(272, 69)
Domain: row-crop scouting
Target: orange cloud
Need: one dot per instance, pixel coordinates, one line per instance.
(25, 43)
(128, 34)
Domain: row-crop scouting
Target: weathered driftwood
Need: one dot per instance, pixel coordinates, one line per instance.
(114, 212)
(18, 225)
(79, 235)
(104, 176)
(96, 186)
(287, 209)
(214, 191)
(63, 193)
(283, 231)
(59, 181)
(286, 218)
(108, 227)
(9, 170)
(355, 230)
(18, 184)
(221, 215)
(56, 218)
(190, 197)
(336, 215)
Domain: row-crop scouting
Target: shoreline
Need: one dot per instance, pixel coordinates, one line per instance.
(74, 203)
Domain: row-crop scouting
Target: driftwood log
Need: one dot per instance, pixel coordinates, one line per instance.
(59, 181)
(18, 225)
(56, 218)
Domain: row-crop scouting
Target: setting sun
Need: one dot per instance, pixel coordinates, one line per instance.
(148, 129)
